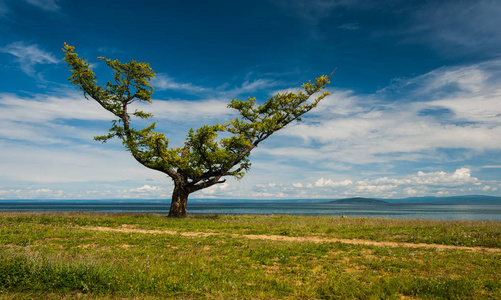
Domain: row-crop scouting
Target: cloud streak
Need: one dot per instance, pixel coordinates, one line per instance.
(29, 56)
(314, 11)
(164, 82)
(458, 26)
(452, 28)
(50, 5)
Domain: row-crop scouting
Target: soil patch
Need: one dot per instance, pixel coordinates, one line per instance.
(312, 239)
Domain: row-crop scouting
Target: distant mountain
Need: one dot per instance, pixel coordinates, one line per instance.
(357, 200)
(467, 199)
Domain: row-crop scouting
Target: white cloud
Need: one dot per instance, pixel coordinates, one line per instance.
(419, 184)
(410, 191)
(216, 189)
(263, 195)
(46, 119)
(189, 111)
(146, 192)
(376, 189)
(383, 128)
(165, 82)
(43, 108)
(144, 188)
(51, 120)
(31, 193)
(26, 162)
(461, 176)
(322, 183)
(487, 188)
(28, 56)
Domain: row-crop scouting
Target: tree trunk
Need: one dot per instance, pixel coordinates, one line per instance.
(179, 201)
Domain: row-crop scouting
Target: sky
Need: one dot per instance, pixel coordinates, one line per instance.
(415, 108)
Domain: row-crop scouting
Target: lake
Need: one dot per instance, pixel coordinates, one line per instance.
(471, 212)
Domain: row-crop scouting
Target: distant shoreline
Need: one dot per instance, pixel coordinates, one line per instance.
(234, 202)
(433, 211)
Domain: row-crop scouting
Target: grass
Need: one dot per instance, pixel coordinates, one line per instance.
(56, 256)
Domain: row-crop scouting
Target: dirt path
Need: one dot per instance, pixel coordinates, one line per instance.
(312, 239)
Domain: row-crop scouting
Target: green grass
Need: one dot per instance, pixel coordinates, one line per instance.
(53, 256)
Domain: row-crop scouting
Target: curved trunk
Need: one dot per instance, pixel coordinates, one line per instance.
(179, 201)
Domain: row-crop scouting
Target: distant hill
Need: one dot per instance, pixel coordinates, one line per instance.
(357, 200)
(467, 199)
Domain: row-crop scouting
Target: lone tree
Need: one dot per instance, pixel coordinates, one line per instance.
(204, 159)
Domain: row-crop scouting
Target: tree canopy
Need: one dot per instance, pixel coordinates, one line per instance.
(205, 158)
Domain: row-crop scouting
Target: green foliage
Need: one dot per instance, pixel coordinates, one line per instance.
(205, 157)
(276, 113)
(131, 83)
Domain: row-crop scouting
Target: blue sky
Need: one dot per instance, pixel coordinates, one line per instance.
(415, 108)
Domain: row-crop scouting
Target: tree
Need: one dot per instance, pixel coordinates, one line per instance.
(205, 158)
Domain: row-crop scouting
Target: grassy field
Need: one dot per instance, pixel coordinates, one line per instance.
(145, 256)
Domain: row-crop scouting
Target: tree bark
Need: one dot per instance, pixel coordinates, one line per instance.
(179, 201)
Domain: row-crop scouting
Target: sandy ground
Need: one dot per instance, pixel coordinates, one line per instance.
(312, 239)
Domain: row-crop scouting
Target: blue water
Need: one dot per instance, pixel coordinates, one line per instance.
(470, 212)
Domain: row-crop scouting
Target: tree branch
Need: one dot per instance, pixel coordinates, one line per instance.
(206, 184)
